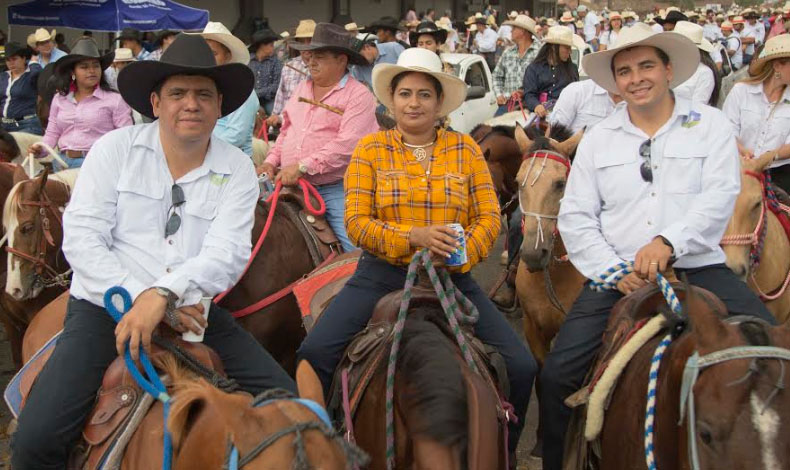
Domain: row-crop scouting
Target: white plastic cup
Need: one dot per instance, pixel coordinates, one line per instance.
(189, 335)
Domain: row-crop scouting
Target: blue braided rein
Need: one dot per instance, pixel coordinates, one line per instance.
(151, 382)
(608, 281)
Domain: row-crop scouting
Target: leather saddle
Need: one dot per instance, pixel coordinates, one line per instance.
(366, 355)
(321, 240)
(120, 404)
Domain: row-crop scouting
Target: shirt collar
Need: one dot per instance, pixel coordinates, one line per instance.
(214, 161)
(621, 120)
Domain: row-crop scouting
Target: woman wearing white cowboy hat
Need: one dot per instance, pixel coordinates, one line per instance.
(449, 183)
(43, 43)
(655, 180)
(610, 35)
(705, 84)
(235, 128)
(551, 71)
(759, 107)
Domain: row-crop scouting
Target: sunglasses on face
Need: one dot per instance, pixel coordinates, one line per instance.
(174, 221)
(646, 170)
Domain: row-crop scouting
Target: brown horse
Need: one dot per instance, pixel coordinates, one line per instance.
(546, 282)
(205, 421)
(755, 234)
(503, 157)
(742, 406)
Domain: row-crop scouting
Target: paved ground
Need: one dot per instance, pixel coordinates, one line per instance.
(486, 274)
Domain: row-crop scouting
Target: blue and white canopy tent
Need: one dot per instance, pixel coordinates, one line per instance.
(108, 15)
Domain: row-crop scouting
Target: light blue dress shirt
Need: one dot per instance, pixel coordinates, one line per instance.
(236, 128)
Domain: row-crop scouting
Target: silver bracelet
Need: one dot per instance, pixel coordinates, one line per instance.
(172, 318)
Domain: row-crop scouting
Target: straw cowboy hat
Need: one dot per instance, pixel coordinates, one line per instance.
(83, 49)
(328, 36)
(615, 15)
(559, 35)
(512, 14)
(578, 43)
(424, 61)
(523, 22)
(444, 23)
(567, 17)
(40, 35)
(775, 48)
(738, 20)
(189, 54)
(305, 29)
(726, 25)
(217, 31)
(629, 14)
(123, 54)
(551, 22)
(694, 32)
(683, 55)
(428, 27)
(352, 28)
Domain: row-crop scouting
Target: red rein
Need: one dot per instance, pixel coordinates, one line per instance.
(307, 190)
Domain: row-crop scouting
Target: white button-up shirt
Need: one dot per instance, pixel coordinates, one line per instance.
(114, 224)
(581, 104)
(712, 31)
(590, 22)
(734, 43)
(750, 31)
(760, 125)
(609, 212)
(486, 40)
(699, 87)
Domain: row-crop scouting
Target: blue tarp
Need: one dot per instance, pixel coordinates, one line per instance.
(108, 15)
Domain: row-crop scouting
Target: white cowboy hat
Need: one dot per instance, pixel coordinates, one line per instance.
(578, 43)
(775, 48)
(217, 31)
(305, 29)
(683, 55)
(559, 35)
(693, 31)
(512, 14)
(567, 17)
(523, 22)
(40, 35)
(123, 54)
(416, 59)
(615, 15)
(351, 27)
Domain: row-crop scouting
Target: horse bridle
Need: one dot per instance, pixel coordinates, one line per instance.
(545, 155)
(756, 239)
(47, 275)
(696, 363)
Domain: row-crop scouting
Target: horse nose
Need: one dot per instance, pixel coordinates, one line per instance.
(17, 293)
(535, 260)
(740, 270)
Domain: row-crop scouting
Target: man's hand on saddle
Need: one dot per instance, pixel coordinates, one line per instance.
(267, 168)
(439, 239)
(289, 175)
(651, 259)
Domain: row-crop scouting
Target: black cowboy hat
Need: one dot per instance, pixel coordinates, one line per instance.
(85, 48)
(162, 35)
(130, 34)
(189, 54)
(263, 36)
(328, 36)
(385, 22)
(428, 27)
(672, 17)
(16, 49)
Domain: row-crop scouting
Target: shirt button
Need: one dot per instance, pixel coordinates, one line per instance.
(170, 270)
(653, 194)
(170, 242)
(648, 223)
(655, 167)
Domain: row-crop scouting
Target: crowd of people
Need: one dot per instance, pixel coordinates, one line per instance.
(195, 98)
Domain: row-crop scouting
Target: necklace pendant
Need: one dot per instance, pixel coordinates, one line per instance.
(419, 154)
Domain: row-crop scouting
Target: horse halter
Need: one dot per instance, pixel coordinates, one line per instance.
(544, 155)
(46, 274)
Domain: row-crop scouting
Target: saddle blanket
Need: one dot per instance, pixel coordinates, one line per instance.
(13, 393)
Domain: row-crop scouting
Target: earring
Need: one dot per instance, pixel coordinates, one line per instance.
(777, 75)
(73, 78)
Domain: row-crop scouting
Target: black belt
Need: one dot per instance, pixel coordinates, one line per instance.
(14, 121)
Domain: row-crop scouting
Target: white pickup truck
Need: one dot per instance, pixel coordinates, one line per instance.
(480, 103)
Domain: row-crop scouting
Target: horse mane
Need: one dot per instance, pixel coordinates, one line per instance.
(506, 131)
(435, 390)
(558, 132)
(12, 204)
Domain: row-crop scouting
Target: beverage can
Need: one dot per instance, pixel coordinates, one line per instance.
(458, 258)
(265, 185)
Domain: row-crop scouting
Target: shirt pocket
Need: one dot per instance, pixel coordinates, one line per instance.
(143, 206)
(618, 176)
(393, 194)
(451, 193)
(683, 160)
(198, 216)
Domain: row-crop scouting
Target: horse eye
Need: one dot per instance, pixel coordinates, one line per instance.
(706, 436)
(559, 186)
(26, 229)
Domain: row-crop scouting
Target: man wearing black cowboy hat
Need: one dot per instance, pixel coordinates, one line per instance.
(18, 91)
(131, 38)
(386, 29)
(165, 211)
(485, 41)
(163, 40)
(322, 122)
(668, 23)
(428, 36)
(266, 67)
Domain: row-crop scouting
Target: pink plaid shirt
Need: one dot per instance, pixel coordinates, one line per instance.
(289, 80)
(319, 138)
(76, 126)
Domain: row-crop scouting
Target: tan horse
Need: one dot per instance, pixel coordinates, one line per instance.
(546, 283)
(753, 227)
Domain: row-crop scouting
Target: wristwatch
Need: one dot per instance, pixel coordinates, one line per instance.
(170, 308)
(302, 168)
(667, 243)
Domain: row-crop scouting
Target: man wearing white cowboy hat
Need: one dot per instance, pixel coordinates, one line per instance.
(505, 30)
(509, 71)
(165, 211)
(235, 128)
(732, 45)
(568, 21)
(654, 182)
(43, 43)
(322, 122)
(592, 26)
(704, 85)
(294, 71)
(123, 57)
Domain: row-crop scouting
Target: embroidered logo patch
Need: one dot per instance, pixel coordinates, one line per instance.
(218, 179)
(692, 119)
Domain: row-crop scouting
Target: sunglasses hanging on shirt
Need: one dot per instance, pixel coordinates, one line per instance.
(174, 221)
(646, 169)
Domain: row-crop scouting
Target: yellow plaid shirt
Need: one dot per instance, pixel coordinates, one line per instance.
(388, 193)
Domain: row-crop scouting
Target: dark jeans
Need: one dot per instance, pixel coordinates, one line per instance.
(514, 236)
(350, 311)
(65, 391)
(580, 336)
(30, 125)
(780, 176)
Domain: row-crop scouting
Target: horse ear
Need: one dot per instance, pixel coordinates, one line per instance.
(547, 134)
(44, 175)
(761, 163)
(20, 175)
(706, 325)
(568, 146)
(184, 413)
(524, 142)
